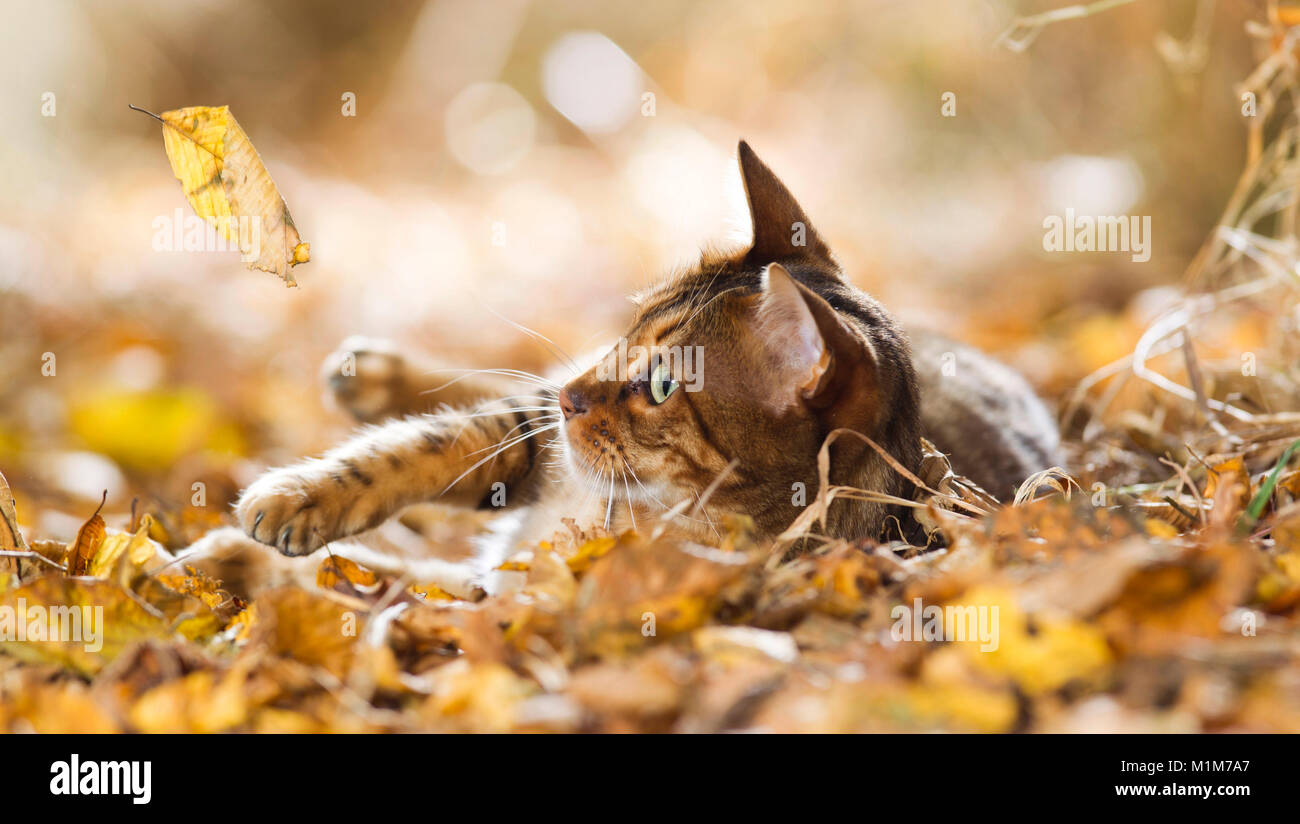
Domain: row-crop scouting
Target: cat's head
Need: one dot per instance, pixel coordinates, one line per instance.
(736, 370)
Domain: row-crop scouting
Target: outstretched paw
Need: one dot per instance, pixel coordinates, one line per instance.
(294, 511)
(368, 378)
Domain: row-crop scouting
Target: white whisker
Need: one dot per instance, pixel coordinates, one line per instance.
(628, 494)
(502, 448)
(609, 507)
(517, 374)
(552, 345)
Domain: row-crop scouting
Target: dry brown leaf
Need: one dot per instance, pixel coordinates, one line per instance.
(306, 627)
(81, 623)
(11, 540)
(196, 583)
(89, 538)
(201, 702)
(336, 570)
(642, 590)
(58, 709)
(1166, 603)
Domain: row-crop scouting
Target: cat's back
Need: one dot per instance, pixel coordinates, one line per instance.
(982, 413)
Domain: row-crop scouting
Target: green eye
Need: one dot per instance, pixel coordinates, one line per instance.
(662, 383)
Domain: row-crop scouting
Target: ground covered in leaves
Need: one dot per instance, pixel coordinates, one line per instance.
(1109, 617)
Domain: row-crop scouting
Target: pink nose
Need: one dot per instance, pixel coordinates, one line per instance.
(571, 403)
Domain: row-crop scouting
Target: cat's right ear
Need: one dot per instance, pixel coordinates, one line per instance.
(781, 229)
(814, 358)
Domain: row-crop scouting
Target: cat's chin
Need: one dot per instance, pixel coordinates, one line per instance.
(590, 480)
(593, 479)
(581, 473)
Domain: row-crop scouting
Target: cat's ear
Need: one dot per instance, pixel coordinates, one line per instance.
(790, 333)
(815, 358)
(781, 229)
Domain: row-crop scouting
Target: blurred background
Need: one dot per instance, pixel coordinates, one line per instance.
(541, 160)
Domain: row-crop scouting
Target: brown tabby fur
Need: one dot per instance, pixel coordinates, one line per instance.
(791, 352)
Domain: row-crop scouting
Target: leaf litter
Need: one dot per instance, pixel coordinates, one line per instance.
(1114, 616)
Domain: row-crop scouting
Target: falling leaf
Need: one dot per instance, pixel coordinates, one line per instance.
(227, 184)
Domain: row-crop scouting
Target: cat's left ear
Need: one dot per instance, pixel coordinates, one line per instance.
(781, 229)
(815, 358)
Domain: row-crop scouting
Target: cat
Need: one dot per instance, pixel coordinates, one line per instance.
(787, 350)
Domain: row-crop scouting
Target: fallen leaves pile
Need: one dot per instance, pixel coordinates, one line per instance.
(1111, 613)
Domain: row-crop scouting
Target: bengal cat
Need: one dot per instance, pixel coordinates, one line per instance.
(786, 351)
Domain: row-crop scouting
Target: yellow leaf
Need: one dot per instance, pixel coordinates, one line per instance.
(335, 569)
(1226, 472)
(196, 703)
(310, 629)
(485, 697)
(59, 709)
(1055, 651)
(80, 624)
(229, 187)
(138, 549)
(243, 623)
(431, 592)
(965, 706)
(148, 430)
(274, 720)
(1101, 339)
(675, 587)
(1159, 529)
(197, 584)
(1289, 563)
(581, 560)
